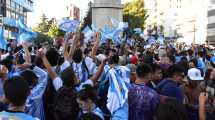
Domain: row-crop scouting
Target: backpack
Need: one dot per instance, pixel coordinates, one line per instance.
(65, 104)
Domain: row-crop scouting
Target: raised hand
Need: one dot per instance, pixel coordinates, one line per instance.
(40, 53)
(203, 97)
(3, 71)
(97, 36)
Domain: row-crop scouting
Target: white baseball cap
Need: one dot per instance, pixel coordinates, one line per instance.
(194, 74)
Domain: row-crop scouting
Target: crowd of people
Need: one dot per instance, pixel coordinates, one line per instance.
(103, 81)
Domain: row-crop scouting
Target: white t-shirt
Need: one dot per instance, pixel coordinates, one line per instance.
(58, 83)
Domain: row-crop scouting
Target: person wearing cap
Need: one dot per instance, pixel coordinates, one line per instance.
(192, 91)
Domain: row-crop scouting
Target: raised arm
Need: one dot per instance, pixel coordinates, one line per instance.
(65, 52)
(46, 63)
(202, 103)
(96, 44)
(99, 71)
(75, 37)
(27, 53)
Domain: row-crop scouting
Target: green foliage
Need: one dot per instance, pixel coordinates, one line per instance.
(55, 32)
(43, 26)
(42, 30)
(135, 14)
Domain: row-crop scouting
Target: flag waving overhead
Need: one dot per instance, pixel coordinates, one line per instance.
(94, 28)
(88, 33)
(114, 22)
(3, 42)
(22, 27)
(26, 37)
(69, 25)
(123, 25)
(25, 34)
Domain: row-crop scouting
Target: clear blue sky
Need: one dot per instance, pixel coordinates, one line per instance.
(55, 8)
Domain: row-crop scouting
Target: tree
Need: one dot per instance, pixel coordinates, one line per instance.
(43, 26)
(55, 32)
(41, 38)
(42, 30)
(88, 18)
(135, 14)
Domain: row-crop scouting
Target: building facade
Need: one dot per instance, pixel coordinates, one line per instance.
(211, 23)
(10, 12)
(185, 20)
(73, 12)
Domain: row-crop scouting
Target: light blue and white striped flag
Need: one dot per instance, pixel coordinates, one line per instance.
(69, 25)
(119, 83)
(3, 42)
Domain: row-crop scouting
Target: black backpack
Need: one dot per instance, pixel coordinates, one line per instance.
(65, 104)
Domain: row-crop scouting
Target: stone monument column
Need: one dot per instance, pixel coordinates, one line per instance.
(103, 10)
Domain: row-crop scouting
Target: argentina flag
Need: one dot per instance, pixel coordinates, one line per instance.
(25, 34)
(3, 42)
(69, 25)
(119, 82)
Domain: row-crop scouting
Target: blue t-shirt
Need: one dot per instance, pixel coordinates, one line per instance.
(171, 89)
(6, 115)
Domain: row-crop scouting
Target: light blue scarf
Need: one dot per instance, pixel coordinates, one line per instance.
(119, 81)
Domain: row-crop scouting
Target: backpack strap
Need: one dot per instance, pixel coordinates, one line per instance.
(86, 68)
